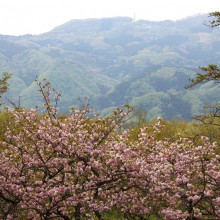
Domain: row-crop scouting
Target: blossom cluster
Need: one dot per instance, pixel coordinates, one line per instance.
(77, 166)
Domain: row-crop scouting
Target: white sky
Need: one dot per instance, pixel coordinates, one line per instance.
(19, 17)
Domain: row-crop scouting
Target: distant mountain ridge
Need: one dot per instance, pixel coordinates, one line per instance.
(114, 61)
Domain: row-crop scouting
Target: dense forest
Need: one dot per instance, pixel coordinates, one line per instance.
(116, 61)
(121, 166)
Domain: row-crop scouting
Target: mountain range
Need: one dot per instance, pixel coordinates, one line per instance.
(116, 61)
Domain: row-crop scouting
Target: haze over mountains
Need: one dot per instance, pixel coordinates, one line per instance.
(116, 61)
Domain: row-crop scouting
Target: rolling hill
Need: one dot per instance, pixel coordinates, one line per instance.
(116, 61)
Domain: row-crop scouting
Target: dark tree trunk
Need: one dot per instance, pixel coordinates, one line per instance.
(77, 213)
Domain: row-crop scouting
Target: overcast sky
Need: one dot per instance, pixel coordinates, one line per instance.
(19, 17)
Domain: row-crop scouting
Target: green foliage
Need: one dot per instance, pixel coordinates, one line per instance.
(216, 21)
(203, 125)
(210, 73)
(5, 121)
(210, 122)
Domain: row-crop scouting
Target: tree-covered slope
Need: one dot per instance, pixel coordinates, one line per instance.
(114, 61)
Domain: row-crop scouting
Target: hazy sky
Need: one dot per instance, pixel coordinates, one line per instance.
(37, 16)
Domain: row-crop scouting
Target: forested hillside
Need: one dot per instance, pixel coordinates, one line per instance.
(114, 61)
